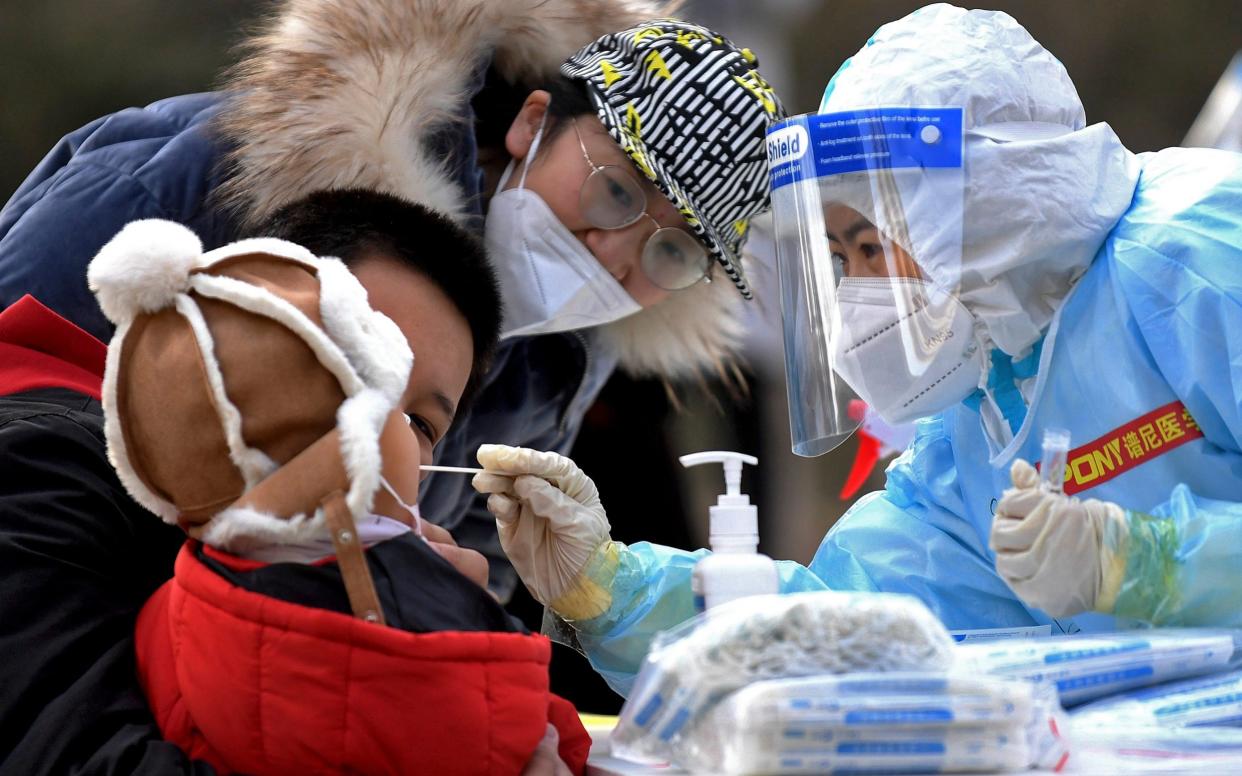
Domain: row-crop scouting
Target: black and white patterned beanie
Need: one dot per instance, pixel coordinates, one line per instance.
(691, 110)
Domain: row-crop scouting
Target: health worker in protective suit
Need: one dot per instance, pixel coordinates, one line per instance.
(957, 245)
(1058, 281)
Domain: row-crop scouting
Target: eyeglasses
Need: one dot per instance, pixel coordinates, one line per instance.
(612, 199)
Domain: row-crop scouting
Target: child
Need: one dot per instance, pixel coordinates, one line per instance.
(253, 397)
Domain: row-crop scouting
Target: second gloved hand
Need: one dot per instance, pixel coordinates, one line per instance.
(1057, 553)
(551, 525)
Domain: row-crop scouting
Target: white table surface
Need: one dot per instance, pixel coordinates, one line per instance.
(602, 763)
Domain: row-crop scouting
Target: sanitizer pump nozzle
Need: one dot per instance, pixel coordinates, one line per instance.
(736, 568)
(733, 520)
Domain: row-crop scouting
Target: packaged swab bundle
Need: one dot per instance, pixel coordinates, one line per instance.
(769, 637)
(1208, 701)
(1084, 668)
(906, 723)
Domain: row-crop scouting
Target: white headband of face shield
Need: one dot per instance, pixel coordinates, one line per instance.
(1019, 131)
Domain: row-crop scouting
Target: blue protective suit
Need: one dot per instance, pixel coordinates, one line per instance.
(1111, 289)
(1156, 320)
(1153, 324)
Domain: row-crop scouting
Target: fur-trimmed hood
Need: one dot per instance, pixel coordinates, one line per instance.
(342, 93)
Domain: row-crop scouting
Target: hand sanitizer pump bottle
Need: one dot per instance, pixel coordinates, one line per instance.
(735, 568)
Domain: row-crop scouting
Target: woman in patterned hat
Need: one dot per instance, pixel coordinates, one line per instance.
(645, 153)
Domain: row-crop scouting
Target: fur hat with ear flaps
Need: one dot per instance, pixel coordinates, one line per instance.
(227, 366)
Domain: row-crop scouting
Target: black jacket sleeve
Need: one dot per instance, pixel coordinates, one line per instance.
(78, 559)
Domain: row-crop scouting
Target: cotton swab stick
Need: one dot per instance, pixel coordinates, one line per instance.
(453, 469)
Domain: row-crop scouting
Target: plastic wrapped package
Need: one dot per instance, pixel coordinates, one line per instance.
(1084, 668)
(907, 723)
(1186, 726)
(1214, 701)
(1134, 750)
(692, 666)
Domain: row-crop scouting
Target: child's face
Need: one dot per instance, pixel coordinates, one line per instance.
(438, 335)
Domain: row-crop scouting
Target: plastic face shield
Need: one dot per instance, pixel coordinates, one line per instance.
(867, 209)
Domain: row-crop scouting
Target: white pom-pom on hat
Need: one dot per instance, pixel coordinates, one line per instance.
(143, 268)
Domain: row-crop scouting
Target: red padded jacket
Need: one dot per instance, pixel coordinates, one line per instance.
(257, 685)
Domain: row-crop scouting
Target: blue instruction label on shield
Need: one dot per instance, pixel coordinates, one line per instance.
(823, 144)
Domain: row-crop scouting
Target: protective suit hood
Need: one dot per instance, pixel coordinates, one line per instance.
(1042, 189)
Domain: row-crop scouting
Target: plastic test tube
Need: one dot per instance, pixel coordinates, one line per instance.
(1052, 465)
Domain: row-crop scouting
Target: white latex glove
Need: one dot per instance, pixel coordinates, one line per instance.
(551, 525)
(1056, 552)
